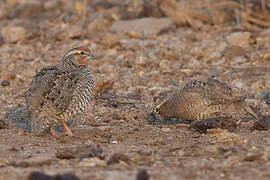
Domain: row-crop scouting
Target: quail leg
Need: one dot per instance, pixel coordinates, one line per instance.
(52, 131)
(67, 129)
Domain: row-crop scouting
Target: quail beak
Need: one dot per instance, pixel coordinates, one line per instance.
(90, 56)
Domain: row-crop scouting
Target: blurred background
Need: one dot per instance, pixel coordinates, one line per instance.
(153, 43)
(143, 49)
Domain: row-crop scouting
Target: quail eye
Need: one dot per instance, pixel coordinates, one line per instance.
(82, 53)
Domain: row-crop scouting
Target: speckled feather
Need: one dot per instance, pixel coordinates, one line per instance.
(202, 99)
(57, 93)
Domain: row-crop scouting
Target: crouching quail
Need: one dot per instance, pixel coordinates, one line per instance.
(207, 103)
(60, 91)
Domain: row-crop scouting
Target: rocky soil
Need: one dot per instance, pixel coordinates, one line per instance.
(142, 48)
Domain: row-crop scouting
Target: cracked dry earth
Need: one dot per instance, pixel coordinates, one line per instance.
(115, 140)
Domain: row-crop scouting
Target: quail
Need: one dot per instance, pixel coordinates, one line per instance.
(59, 92)
(203, 100)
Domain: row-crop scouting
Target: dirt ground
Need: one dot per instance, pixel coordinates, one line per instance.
(135, 61)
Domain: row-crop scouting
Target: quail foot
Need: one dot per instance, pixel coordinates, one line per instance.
(59, 92)
(207, 103)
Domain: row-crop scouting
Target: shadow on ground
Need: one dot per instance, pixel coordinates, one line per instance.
(20, 117)
(151, 119)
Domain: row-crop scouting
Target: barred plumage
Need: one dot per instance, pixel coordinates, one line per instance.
(59, 92)
(203, 99)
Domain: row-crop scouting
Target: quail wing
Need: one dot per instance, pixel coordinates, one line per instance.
(51, 90)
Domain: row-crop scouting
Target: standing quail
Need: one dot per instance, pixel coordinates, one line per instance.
(60, 91)
(204, 100)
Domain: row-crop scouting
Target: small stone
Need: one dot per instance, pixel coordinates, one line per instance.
(67, 176)
(60, 35)
(142, 175)
(43, 176)
(67, 153)
(2, 163)
(93, 152)
(3, 124)
(39, 176)
(225, 149)
(5, 83)
(13, 34)
(253, 156)
(92, 162)
(13, 149)
(166, 129)
(117, 157)
(215, 122)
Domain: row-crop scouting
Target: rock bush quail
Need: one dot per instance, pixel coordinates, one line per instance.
(60, 91)
(204, 99)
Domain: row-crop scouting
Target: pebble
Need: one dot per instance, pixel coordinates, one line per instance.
(142, 175)
(42, 176)
(166, 129)
(13, 34)
(5, 83)
(117, 157)
(65, 153)
(253, 156)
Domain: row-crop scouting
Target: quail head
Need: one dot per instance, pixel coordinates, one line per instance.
(58, 92)
(203, 99)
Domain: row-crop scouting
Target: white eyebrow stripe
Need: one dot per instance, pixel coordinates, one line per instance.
(78, 50)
